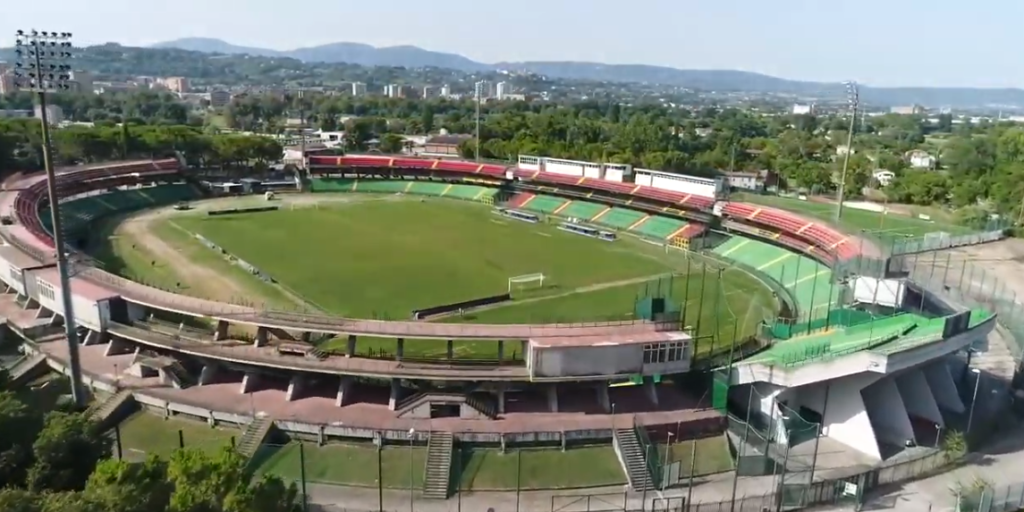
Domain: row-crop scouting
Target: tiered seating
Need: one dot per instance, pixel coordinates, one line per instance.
(544, 204)
(619, 218)
(808, 280)
(330, 185)
(582, 210)
(841, 342)
(519, 200)
(430, 188)
(381, 186)
(471, 192)
(691, 230)
(80, 212)
(660, 227)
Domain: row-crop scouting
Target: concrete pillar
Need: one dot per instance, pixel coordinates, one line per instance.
(399, 349)
(652, 390)
(602, 396)
(222, 331)
(249, 382)
(321, 436)
(306, 336)
(207, 375)
(91, 338)
(396, 390)
(294, 389)
(451, 349)
(344, 392)
(115, 347)
(501, 350)
(501, 398)
(350, 349)
(553, 397)
(262, 335)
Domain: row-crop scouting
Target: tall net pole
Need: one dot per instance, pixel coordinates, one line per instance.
(854, 99)
(42, 67)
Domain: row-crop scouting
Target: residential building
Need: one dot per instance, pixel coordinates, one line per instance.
(503, 89)
(843, 149)
(219, 98)
(81, 81)
(176, 84)
(7, 85)
(908, 110)
(445, 144)
(921, 159)
(752, 180)
(514, 97)
(12, 113)
(54, 114)
(358, 89)
(799, 109)
(446, 91)
(485, 89)
(430, 92)
(394, 91)
(883, 176)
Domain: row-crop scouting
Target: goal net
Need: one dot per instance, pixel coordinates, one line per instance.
(525, 282)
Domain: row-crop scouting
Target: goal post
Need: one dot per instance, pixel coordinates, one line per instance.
(526, 281)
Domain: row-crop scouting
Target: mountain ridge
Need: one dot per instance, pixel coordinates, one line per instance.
(712, 80)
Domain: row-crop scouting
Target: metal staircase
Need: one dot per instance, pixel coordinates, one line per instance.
(254, 434)
(634, 464)
(439, 465)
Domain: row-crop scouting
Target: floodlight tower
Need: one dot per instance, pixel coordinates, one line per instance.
(853, 97)
(42, 66)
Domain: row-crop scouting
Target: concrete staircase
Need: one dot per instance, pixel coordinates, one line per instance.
(254, 434)
(439, 465)
(26, 368)
(483, 403)
(996, 360)
(102, 411)
(631, 457)
(178, 373)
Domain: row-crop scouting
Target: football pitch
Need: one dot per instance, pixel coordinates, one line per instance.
(385, 256)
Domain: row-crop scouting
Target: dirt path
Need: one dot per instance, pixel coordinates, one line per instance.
(208, 283)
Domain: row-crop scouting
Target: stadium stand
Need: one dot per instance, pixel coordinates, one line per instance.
(544, 204)
(660, 227)
(808, 280)
(331, 185)
(618, 218)
(78, 213)
(582, 210)
(517, 201)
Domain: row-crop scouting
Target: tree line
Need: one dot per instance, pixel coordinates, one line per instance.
(60, 461)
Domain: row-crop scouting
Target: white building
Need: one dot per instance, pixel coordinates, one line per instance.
(54, 114)
(503, 89)
(446, 91)
(430, 92)
(920, 159)
(358, 89)
(799, 109)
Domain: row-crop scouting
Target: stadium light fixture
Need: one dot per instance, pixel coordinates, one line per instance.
(42, 65)
(853, 97)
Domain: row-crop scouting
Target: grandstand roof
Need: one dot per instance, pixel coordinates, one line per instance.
(612, 339)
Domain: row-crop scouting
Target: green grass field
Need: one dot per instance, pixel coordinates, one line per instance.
(384, 258)
(145, 434)
(482, 469)
(854, 220)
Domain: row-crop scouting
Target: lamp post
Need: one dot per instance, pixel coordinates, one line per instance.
(853, 97)
(974, 398)
(412, 433)
(41, 66)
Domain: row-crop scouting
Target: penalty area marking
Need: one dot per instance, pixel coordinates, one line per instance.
(542, 234)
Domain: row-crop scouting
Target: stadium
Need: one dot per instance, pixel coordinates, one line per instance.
(571, 302)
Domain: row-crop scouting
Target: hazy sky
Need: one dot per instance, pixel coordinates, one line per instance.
(877, 42)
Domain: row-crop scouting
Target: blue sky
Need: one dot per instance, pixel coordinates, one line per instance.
(891, 42)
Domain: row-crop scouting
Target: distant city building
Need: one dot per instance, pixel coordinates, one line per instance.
(54, 114)
(503, 89)
(756, 181)
(445, 144)
(176, 84)
(485, 89)
(81, 81)
(219, 98)
(394, 91)
(358, 89)
(430, 92)
(514, 97)
(907, 110)
(799, 109)
(6, 81)
(446, 91)
(12, 113)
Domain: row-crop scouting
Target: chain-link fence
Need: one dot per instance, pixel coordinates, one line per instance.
(983, 498)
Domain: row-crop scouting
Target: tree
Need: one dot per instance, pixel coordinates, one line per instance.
(427, 118)
(66, 453)
(19, 426)
(392, 143)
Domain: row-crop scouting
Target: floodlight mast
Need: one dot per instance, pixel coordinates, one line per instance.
(853, 97)
(42, 66)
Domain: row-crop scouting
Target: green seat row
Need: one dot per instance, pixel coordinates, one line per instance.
(544, 204)
(620, 218)
(582, 210)
(660, 227)
(331, 184)
(79, 213)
